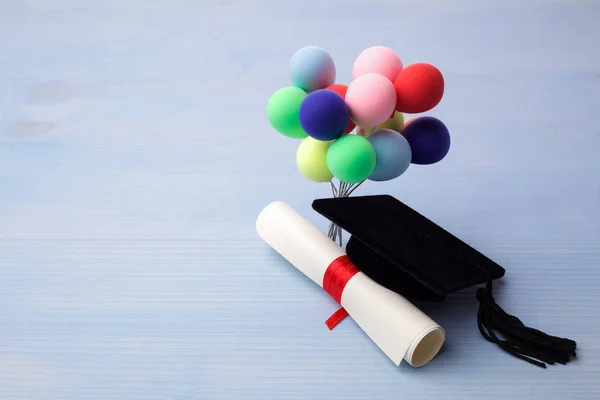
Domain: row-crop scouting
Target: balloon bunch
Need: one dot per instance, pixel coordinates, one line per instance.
(357, 132)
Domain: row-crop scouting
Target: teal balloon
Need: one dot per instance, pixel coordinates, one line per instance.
(312, 68)
(393, 154)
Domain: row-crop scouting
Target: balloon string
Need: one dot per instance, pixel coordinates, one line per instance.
(335, 232)
(338, 230)
(332, 227)
(353, 188)
(342, 190)
(333, 189)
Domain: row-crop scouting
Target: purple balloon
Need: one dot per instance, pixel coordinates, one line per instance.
(429, 140)
(324, 115)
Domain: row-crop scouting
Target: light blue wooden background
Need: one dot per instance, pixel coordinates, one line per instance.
(135, 156)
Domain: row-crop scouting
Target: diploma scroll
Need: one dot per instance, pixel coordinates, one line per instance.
(396, 326)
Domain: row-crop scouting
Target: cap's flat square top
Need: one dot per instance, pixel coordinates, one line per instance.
(396, 241)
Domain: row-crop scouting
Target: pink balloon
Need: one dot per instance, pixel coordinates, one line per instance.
(371, 99)
(379, 60)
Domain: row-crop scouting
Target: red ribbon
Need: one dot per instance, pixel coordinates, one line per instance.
(336, 277)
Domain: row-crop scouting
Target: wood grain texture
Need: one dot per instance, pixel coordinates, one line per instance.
(135, 156)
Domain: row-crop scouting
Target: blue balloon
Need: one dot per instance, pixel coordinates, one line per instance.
(324, 115)
(312, 68)
(429, 140)
(393, 154)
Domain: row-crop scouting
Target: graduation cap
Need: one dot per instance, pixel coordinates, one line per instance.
(407, 253)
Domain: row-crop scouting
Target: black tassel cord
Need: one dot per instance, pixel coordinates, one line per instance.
(525, 343)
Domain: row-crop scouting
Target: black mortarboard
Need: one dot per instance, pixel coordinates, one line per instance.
(407, 253)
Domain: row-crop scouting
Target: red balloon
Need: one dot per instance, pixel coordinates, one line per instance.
(341, 90)
(419, 88)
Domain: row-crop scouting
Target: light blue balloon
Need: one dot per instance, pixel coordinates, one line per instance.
(393, 154)
(312, 68)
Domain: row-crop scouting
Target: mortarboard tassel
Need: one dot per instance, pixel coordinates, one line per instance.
(525, 343)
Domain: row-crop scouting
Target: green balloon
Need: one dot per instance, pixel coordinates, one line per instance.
(351, 158)
(282, 111)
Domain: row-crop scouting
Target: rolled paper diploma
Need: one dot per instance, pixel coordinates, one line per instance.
(397, 327)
